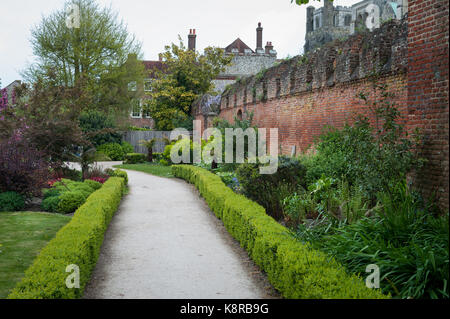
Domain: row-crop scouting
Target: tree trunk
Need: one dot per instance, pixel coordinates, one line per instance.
(150, 155)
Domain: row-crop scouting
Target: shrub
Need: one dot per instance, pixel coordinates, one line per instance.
(76, 243)
(66, 172)
(270, 189)
(23, 169)
(11, 202)
(101, 157)
(94, 122)
(410, 246)
(135, 158)
(94, 184)
(113, 151)
(127, 148)
(293, 268)
(50, 204)
(120, 173)
(157, 157)
(51, 192)
(70, 201)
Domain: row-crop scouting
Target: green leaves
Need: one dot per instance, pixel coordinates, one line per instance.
(187, 76)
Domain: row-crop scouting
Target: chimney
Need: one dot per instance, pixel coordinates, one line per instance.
(191, 40)
(160, 57)
(259, 38)
(269, 47)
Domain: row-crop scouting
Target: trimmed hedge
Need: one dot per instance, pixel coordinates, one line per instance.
(76, 243)
(135, 158)
(295, 269)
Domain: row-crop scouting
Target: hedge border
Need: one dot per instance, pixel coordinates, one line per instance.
(78, 242)
(293, 268)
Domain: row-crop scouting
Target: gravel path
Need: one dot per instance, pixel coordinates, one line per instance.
(164, 242)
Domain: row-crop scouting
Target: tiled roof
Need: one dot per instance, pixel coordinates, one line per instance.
(153, 66)
(239, 45)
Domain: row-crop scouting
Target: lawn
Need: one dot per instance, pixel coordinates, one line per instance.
(22, 236)
(150, 168)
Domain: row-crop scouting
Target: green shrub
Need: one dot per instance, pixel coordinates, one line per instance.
(51, 192)
(76, 243)
(409, 244)
(70, 201)
(295, 269)
(135, 158)
(113, 151)
(95, 121)
(127, 148)
(269, 190)
(101, 157)
(157, 157)
(50, 204)
(11, 202)
(122, 174)
(93, 184)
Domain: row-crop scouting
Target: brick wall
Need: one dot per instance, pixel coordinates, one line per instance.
(302, 95)
(428, 56)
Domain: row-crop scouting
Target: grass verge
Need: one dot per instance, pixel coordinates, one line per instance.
(22, 236)
(150, 168)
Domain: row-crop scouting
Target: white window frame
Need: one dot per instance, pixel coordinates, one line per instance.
(132, 114)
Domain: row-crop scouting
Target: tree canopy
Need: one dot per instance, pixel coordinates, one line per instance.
(187, 76)
(96, 51)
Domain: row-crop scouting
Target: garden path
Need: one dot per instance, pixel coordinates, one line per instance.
(164, 242)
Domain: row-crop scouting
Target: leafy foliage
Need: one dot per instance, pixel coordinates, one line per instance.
(97, 53)
(115, 151)
(270, 189)
(408, 243)
(95, 122)
(23, 169)
(11, 202)
(187, 76)
(374, 158)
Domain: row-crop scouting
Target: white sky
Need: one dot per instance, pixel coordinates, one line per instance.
(158, 23)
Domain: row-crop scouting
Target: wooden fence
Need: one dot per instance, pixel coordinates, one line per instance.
(134, 137)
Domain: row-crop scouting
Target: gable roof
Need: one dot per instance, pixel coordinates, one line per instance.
(239, 45)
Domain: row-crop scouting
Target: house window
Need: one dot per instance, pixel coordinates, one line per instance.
(132, 86)
(148, 85)
(145, 111)
(136, 109)
(347, 20)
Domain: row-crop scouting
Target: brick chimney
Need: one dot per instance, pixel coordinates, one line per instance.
(192, 40)
(259, 38)
(269, 47)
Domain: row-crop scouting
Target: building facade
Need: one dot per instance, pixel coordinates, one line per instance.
(331, 23)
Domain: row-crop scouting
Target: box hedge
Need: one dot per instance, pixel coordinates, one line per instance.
(77, 243)
(135, 158)
(293, 268)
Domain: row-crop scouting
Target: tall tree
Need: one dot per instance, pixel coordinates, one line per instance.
(187, 76)
(96, 51)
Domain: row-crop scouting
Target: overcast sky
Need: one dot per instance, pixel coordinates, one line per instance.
(158, 23)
